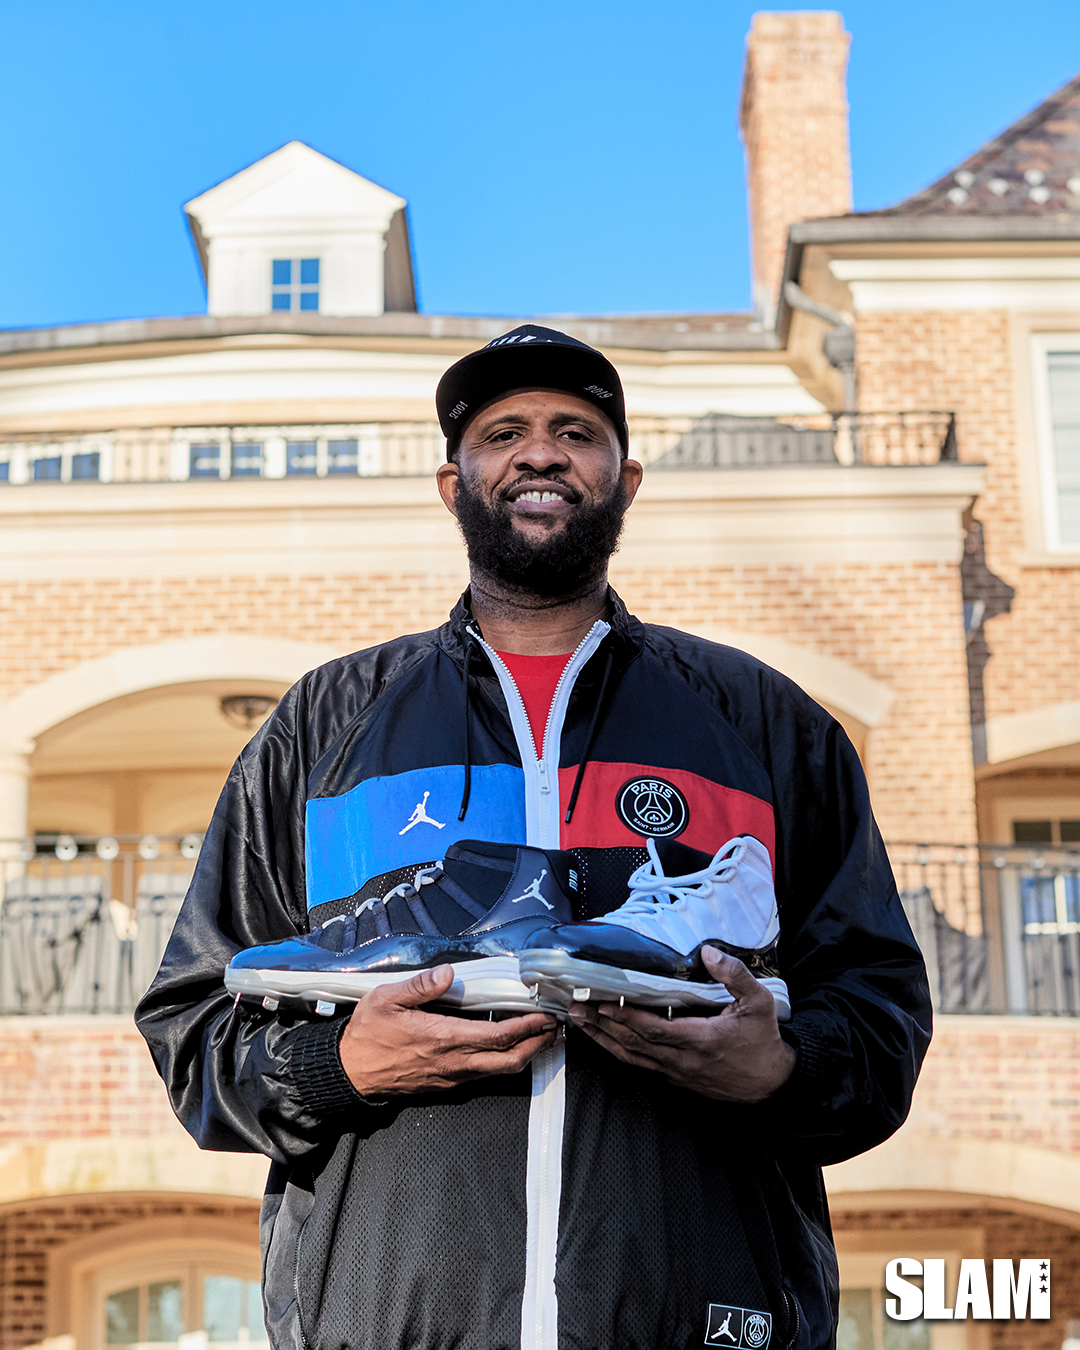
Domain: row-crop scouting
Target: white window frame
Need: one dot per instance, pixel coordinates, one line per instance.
(1042, 344)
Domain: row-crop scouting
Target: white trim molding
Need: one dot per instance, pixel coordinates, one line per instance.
(960, 283)
(131, 670)
(1028, 733)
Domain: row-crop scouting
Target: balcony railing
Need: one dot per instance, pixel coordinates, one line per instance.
(84, 922)
(415, 449)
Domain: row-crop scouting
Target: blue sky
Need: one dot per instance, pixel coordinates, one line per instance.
(578, 155)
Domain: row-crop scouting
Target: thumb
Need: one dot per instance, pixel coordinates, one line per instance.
(423, 987)
(734, 976)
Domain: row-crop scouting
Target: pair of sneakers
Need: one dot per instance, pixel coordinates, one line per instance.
(502, 916)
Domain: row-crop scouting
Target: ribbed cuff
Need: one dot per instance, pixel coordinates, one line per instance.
(811, 1055)
(316, 1068)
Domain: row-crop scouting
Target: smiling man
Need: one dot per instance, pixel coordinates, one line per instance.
(548, 955)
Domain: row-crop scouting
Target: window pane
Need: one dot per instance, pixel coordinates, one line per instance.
(255, 1324)
(122, 1318)
(85, 466)
(309, 300)
(47, 468)
(905, 1335)
(855, 1330)
(300, 457)
(309, 271)
(1038, 901)
(1033, 832)
(205, 461)
(1070, 831)
(165, 1315)
(281, 300)
(342, 456)
(224, 1303)
(247, 459)
(1063, 369)
(5, 471)
(282, 272)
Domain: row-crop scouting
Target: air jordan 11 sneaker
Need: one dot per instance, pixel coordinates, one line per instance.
(648, 951)
(474, 909)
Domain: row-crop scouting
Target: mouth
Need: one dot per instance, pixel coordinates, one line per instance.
(543, 497)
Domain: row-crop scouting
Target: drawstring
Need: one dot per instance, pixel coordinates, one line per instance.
(593, 724)
(467, 790)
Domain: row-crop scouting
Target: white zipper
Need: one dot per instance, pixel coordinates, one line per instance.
(547, 1107)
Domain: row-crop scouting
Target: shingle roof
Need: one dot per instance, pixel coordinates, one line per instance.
(1031, 169)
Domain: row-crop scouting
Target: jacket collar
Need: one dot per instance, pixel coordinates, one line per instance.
(626, 637)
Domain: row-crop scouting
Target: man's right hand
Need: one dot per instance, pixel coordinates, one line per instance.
(393, 1045)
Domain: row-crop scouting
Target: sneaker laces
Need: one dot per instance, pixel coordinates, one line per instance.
(649, 886)
(406, 889)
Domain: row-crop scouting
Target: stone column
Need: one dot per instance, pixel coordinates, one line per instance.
(14, 793)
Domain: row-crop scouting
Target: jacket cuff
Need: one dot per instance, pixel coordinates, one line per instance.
(316, 1068)
(812, 1057)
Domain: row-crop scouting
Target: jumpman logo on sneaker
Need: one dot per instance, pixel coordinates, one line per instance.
(724, 1329)
(532, 892)
(421, 817)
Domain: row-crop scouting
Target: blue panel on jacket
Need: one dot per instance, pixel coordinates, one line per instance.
(386, 823)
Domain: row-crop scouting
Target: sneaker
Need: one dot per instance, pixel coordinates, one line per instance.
(474, 909)
(648, 951)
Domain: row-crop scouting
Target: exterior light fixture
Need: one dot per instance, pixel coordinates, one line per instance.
(247, 711)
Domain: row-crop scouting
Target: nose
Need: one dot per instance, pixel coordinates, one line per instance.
(540, 451)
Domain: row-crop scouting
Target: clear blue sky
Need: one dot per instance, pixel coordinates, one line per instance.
(579, 155)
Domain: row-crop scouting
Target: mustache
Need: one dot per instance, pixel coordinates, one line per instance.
(573, 496)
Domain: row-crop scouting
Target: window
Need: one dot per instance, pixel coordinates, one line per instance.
(157, 1313)
(247, 459)
(294, 284)
(301, 457)
(48, 469)
(1046, 831)
(86, 465)
(1057, 381)
(5, 471)
(205, 461)
(342, 456)
(864, 1326)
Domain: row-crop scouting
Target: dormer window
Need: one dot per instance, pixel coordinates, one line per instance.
(295, 284)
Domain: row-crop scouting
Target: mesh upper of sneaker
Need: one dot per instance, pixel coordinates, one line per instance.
(733, 900)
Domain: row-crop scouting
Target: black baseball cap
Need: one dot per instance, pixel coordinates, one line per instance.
(528, 357)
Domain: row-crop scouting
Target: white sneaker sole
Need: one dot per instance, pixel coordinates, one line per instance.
(489, 984)
(557, 981)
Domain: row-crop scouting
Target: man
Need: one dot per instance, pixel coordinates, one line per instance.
(646, 1182)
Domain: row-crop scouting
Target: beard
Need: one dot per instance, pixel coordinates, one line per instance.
(562, 563)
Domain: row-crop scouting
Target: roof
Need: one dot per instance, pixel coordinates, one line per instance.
(1031, 169)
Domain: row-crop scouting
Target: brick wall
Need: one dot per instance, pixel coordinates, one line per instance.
(795, 129)
(28, 1232)
(898, 623)
(963, 361)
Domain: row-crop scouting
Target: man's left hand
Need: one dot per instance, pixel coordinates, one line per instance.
(736, 1056)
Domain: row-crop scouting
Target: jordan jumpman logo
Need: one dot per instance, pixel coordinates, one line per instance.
(532, 892)
(421, 817)
(724, 1329)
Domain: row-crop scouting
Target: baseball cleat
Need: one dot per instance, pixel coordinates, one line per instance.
(648, 951)
(473, 910)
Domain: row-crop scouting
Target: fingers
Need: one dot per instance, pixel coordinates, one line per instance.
(423, 987)
(734, 976)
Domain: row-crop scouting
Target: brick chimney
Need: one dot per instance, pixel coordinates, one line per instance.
(794, 122)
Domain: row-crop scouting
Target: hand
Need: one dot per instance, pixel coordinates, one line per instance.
(736, 1056)
(392, 1045)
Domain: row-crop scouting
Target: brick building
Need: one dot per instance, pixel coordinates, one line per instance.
(869, 482)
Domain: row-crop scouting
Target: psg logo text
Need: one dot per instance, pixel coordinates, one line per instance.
(652, 806)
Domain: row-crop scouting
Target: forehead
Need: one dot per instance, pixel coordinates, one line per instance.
(536, 405)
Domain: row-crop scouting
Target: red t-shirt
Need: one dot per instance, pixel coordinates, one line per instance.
(536, 678)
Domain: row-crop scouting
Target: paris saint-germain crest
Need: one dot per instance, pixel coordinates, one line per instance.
(652, 806)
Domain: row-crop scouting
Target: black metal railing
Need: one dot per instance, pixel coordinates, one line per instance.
(881, 438)
(84, 922)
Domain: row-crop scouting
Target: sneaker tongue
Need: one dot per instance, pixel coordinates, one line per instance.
(679, 859)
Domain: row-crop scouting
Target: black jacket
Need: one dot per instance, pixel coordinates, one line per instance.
(583, 1204)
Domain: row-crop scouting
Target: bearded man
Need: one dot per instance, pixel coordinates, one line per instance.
(547, 955)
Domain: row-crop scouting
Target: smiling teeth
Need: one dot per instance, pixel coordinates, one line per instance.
(540, 497)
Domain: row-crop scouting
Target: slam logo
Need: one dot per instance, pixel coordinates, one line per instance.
(652, 806)
(1007, 1294)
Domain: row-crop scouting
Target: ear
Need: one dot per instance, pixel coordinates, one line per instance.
(446, 479)
(631, 473)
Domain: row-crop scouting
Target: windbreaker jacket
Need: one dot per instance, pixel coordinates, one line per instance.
(582, 1204)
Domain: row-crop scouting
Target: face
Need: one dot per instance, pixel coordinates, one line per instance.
(539, 490)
